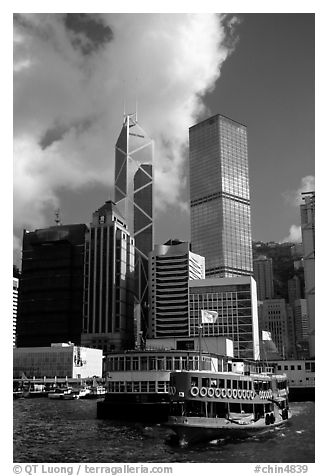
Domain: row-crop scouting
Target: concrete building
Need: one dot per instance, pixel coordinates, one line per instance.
(235, 302)
(109, 285)
(294, 289)
(263, 275)
(134, 153)
(58, 360)
(219, 196)
(301, 319)
(50, 302)
(15, 301)
(273, 318)
(308, 239)
(171, 267)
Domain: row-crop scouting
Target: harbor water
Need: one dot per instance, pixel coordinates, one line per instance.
(56, 431)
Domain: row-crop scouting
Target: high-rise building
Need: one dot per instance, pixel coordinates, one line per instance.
(308, 238)
(171, 267)
(15, 301)
(219, 196)
(235, 303)
(273, 318)
(108, 289)
(294, 289)
(263, 275)
(134, 198)
(50, 301)
(301, 319)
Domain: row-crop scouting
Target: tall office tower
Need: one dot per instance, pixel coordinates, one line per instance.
(294, 289)
(263, 276)
(108, 288)
(134, 153)
(273, 318)
(15, 301)
(301, 319)
(50, 301)
(308, 238)
(235, 303)
(219, 196)
(171, 267)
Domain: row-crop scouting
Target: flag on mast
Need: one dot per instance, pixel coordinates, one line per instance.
(266, 335)
(208, 317)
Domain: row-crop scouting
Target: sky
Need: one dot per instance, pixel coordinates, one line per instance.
(73, 73)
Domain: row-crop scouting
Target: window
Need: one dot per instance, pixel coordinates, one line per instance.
(299, 367)
(292, 367)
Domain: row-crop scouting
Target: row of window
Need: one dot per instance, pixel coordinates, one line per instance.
(139, 387)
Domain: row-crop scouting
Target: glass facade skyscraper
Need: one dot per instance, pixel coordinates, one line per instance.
(219, 196)
(134, 152)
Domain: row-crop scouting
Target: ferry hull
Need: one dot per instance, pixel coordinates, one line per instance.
(195, 430)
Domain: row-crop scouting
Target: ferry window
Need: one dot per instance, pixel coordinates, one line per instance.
(312, 366)
(194, 381)
(307, 366)
(129, 386)
(143, 386)
(285, 367)
(213, 382)
(122, 387)
(240, 384)
(143, 363)
(205, 382)
(176, 363)
(293, 381)
(184, 363)
(299, 367)
(135, 363)
(127, 363)
(235, 407)
(121, 363)
(292, 367)
(152, 363)
(234, 384)
(228, 383)
(161, 387)
(136, 386)
(152, 387)
(160, 363)
(168, 363)
(307, 378)
(221, 383)
(301, 380)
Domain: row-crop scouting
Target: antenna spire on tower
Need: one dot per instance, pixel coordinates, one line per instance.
(57, 217)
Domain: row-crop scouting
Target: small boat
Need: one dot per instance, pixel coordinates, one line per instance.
(63, 394)
(232, 403)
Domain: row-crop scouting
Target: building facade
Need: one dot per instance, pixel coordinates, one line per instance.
(301, 319)
(134, 153)
(235, 302)
(15, 302)
(263, 275)
(273, 318)
(57, 360)
(171, 267)
(308, 238)
(219, 196)
(50, 302)
(109, 284)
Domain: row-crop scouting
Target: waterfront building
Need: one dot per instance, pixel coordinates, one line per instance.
(219, 196)
(171, 267)
(50, 302)
(263, 275)
(308, 238)
(235, 302)
(273, 318)
(134, 153)
(109, 285)
(15, 301)
(58, 360)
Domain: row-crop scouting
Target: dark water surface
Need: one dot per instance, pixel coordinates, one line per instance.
(56, 431)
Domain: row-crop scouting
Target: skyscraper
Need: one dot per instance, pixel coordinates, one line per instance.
(108, 288)
(219, 196)
(171, 267)
(134, 198)
(15, 300)
(263, 275)
(50, 300)
(308, 239)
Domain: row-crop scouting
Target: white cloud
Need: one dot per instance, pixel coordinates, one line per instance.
(169, 61)
(294, 197)
(295, 235)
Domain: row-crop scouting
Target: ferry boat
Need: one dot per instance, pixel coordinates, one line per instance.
(138, 382)
(242, 399)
